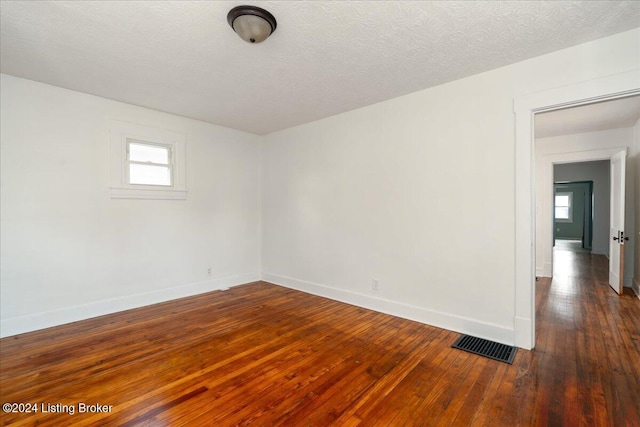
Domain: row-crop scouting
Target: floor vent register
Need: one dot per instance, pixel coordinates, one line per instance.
(493, 350)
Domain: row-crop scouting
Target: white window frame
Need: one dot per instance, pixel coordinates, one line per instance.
(170, 165)
(570, 215)
(122, 133)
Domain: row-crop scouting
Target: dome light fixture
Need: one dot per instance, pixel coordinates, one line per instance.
(252, 23)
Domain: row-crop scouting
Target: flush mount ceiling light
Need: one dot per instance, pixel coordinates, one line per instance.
(252, 23)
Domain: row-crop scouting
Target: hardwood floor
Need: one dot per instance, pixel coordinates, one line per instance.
(265, 355)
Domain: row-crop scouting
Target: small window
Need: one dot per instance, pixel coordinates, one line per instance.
(148, 164)
(563, 208)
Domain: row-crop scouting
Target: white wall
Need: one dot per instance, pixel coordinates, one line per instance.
(553, 150)
(598, 172)
(634, 163)
(417, 192)
(69, 252)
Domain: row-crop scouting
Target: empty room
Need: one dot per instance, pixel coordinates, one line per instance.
(320, 213)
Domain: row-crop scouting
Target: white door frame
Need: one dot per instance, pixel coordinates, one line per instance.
(610, 87)
(618, 176)
(546, 221)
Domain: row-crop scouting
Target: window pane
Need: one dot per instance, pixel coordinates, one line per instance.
(562, 200)
(149, 175)
(562, 212)
(148, 153)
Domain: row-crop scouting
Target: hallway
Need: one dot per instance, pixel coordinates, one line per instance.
(594, 336)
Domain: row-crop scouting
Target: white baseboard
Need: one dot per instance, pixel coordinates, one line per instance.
(628, 282)
(544, 271)
(547, 270)
(33, 322)
(524, 333)
(636, 288)
(442, 320)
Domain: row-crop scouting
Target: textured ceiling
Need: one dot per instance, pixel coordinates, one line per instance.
(617, 113)
(325, 57)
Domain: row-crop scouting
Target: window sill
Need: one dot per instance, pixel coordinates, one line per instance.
(134, 193)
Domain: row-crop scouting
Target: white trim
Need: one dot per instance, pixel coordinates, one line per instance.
(132, 193)
(170, 165)
(616, 86)
(522, 324)
(32, 322)
(627, 281)
(121, 132)
(547, 270)
(636, 287)
(546, 223)
(439, 319)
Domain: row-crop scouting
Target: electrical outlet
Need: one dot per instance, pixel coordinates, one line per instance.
(375, 283)
(209, 272)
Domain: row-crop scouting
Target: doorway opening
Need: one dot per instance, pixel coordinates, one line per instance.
(617, 86)
(573, 213)
(553, 178)
(568, 191)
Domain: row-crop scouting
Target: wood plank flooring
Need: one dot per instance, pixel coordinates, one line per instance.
(265, 355)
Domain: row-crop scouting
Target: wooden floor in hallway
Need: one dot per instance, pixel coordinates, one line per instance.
(265, 355)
